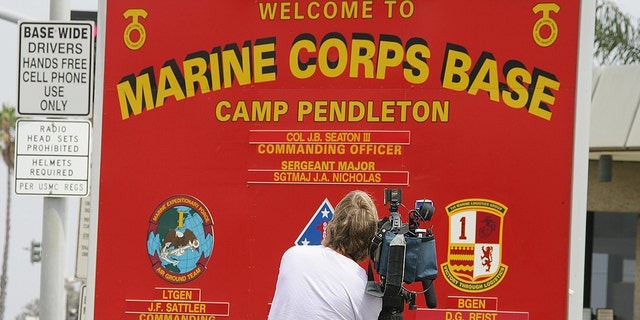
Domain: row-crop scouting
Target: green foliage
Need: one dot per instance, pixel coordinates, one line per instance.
(8, 120)
(30, 311)
(617, 37)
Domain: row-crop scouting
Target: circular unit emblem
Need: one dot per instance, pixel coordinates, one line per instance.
(180, 239)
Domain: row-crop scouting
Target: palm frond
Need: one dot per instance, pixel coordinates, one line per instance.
(616, 36)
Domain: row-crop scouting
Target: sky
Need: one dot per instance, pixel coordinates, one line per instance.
(631, 7)
(26, 211)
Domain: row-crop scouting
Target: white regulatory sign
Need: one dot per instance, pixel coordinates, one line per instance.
(55, 68)
(52, 157)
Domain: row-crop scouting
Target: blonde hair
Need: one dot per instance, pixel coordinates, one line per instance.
(354, 223)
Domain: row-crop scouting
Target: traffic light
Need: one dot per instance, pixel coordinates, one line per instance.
(35, 251)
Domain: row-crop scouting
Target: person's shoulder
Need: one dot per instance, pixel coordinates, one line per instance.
(303, 250)
(301, 254)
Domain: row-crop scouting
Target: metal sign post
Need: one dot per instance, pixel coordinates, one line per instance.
(54, 235)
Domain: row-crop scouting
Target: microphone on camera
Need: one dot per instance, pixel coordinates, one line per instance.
(429, 293)
(426, 210)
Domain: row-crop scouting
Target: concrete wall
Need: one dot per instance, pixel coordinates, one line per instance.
(621, 194)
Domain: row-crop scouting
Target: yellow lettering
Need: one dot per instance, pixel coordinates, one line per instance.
(390, 55)
(264, 69)
(132, 102)
(534, 90)
(194, 73)
(304, 109)
(237, 62)
(362, 53)
(470, 303)
(516, 78)
(486, 77)
(286, 10)
(541, 97)
(457, 63)
(302, 69)
(168, 85)
(267, 10)
(417, 55)
(261, 111)
(329, 68)
(241, 112)
(390, 111)
(169, 294)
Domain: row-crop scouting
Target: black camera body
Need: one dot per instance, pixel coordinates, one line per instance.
(393, 197)
(404, 253)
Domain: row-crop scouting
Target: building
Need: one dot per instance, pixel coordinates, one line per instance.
(612, 267)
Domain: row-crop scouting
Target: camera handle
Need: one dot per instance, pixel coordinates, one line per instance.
(396, 220)
(395, 266)
(393, 299)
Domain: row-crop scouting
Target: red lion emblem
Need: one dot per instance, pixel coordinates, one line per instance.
(487, 257)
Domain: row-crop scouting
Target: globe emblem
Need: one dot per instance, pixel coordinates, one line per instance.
(180, 239)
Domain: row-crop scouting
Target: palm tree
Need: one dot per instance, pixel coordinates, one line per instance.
(617, 37)
(31, 309)
(7, 147)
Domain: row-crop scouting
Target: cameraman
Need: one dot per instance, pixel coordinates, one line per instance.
(326, 282)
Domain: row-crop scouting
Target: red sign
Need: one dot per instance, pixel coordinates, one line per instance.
(478, 303)
(453, 314)
(175, 302)
(225, 128)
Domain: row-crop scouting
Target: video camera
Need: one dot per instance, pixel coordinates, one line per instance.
(403, 252)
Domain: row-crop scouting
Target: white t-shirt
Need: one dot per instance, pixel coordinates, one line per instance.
(315, 282)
